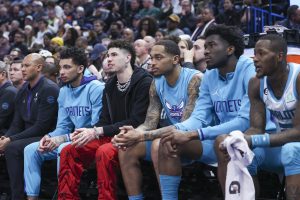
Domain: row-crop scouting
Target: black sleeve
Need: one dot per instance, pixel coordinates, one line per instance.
(46, 116)
(137, 113)
(104, 116)
(17, 124)
(7, 104)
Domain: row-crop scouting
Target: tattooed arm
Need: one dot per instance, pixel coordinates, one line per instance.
(153, 112)
(193, 94)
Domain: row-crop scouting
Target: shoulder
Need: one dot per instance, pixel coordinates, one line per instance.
(48, 84)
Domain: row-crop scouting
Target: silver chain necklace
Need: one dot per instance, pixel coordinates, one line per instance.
(123, 87)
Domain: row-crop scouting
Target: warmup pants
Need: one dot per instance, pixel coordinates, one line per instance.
(73, 161)
(14, 161)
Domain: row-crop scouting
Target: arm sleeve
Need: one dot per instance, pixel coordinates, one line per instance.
(64, 123)
(137, 113)
(240, 122)
(203, 111)
(96, 100)
(6, 107)
(17, 124)
(46, 114)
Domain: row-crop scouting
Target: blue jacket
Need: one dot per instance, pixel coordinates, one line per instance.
(79, 107)
(223, 97)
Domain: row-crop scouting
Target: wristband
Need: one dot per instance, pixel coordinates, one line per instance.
(97, 133)
(201, 135)
(68, 137)
(260, 140)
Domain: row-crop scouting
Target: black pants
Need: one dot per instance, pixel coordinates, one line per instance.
(15, 165)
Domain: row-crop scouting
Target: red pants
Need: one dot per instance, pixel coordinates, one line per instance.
(73, 161)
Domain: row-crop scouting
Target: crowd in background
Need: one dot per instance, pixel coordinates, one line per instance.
(31, 26)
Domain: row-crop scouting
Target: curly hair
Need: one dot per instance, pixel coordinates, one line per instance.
(152, 26)
(231, 34)
(77, 55)
(122, 44)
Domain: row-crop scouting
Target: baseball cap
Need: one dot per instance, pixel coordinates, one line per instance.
(97, 50)
(174, 18)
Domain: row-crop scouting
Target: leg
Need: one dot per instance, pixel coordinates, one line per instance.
(15, 164)
(154, 156)
(170, 167)
(222, 162)
(73, 161)
(131, 169)
(107, 164)
(291, 161)
(59, 149)
(33, 160)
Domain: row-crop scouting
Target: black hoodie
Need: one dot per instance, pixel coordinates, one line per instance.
(136, 103)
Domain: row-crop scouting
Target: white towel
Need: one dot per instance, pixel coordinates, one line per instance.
(239, 183)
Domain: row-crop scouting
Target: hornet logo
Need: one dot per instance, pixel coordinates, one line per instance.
(176, 111)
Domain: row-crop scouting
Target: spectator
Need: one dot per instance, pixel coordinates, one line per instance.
(188, 20)
(147, 26)
(53, 21)
(184, 45)
(165, 12)
(98, 28)
(96, 58)
(68, 12)
(15, 54)
(7, 97)
(47, 40)
(82, 42)
(28, 21)
(4, 46)
(230, 16)
(135, 7)
(172, 26)
(55, 46)
(150, 42)
(19, 38)
(29, 36)
(160, 34)
(293, 18)
(149, 9)
(207, 20)
(115, 31)
(38, 10)
(199, 57)
(29, 123)
(42, 30)
(142, 53)
(70, 37)
(128, 35)
(15, 74)
(13, 28)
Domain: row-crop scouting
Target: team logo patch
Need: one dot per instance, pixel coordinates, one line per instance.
(50, 99)
(289, 98)
(5, 106)
(176, 111)
(266, 91)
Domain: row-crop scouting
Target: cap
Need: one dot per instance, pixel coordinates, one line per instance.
(37, 3)
(45, 53)
(97, 50)
(58, 40)
(29, 17)
(174, 18)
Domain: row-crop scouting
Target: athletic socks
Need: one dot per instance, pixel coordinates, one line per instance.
(169, 186)
(136, 197)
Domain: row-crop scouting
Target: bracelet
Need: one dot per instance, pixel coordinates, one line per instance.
(260, 140)
(97, 133)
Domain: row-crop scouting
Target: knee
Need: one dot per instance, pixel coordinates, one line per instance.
(61, 147)
(31, 149)
(66, 150)
(258, 159)
(106, 152)
(11, 149)
(290, 158)
(154, 151)
(217, 144)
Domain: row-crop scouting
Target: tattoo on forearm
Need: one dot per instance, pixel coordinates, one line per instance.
(193, 93)
(60, 139)
(154, 109)
(293, 192)
(151, 135)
